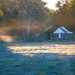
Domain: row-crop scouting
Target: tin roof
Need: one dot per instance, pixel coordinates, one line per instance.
(65, 30)
(62, 30)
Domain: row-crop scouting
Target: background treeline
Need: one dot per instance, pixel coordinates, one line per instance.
(25, 10)
(65, 16)
(25, 18)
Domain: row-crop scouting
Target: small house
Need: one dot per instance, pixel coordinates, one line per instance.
(61, 33)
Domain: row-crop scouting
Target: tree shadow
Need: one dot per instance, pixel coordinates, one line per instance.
(65, 42)
(12, 63)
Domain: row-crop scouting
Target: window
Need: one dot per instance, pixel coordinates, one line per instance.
(59, 35)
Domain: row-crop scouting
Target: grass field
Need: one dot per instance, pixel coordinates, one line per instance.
(41, 58)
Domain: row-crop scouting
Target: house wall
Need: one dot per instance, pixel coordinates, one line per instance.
(63, 35)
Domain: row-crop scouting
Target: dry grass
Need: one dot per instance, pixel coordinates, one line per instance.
(44, 48)
(37, 59)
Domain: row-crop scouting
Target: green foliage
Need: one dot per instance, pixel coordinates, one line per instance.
(2, 19)
(51, 35)
(6, 61)
(1, 16)
(45, 67)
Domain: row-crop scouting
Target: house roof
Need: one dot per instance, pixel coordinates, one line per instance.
(62, 30)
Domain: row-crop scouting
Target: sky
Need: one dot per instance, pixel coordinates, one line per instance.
(51, 4)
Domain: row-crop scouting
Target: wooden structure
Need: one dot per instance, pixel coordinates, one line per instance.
(61, 33)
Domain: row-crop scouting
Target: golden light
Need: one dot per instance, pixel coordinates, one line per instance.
(28, 50)
(1, 13)
(6, 38)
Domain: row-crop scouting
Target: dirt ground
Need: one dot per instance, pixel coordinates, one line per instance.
(40, 58)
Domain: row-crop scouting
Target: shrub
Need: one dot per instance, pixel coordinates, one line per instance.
(2, 18)
(1, 13)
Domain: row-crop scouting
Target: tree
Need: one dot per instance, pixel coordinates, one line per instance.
(65, 15)
(32, 9)
(26, 10)
(1, 16)
(58, 4)
(9, 7)
(72, 5)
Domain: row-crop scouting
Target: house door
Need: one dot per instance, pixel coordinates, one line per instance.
(59, 36)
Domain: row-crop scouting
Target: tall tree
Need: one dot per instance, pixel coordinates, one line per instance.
(32, 9)
(65, 15)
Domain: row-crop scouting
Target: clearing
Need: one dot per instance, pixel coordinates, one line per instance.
(37, 58)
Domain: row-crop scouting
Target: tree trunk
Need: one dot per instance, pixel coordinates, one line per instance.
(28, 27)
(24, 37)
(44, 25)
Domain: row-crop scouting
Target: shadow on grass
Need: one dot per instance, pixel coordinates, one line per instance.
(35, 63)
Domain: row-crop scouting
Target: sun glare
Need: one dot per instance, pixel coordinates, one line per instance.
(51, 4)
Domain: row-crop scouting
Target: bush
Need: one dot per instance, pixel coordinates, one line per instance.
(2, 19)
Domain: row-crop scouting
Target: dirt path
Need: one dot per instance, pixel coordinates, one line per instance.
(37, 58)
